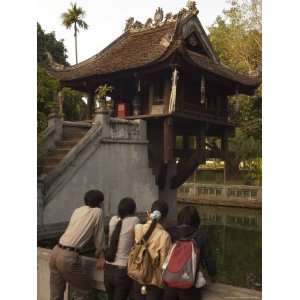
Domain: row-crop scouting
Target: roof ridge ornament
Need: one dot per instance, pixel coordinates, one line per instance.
(192, 7)
(129, 24)
(158, 16)
(159, 19)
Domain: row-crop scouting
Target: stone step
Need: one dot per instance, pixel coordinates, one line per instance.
(62, 151)
(52, 160)
(73, 136)
(68, 143)
(54, 154)
(45, 169)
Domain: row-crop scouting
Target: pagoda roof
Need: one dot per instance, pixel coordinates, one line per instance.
(222, 70)
(146, 45)
(130, 51)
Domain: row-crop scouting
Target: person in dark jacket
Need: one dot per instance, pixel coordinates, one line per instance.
(188, 228)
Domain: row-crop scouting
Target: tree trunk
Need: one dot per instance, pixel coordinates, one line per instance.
(75, 35)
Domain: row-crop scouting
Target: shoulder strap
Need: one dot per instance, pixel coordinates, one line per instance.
(148, 233)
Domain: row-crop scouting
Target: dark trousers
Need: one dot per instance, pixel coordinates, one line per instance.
(117, 283)
(153, 292)
(182, 294)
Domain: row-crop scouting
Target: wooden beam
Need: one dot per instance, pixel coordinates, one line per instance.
(186, 168)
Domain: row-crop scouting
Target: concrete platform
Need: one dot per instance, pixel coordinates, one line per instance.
(215, 291)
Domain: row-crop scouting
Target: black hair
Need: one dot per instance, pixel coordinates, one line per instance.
(189, 216)
(93, 198)
(126, 208)
(163, 208)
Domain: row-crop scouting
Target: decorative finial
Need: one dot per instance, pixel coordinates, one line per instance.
(159, 16)
(168, 17)
(192, 7)
(148, 23)
(137, 26)
(129, 24)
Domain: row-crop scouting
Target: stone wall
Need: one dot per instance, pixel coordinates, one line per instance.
(112, 157)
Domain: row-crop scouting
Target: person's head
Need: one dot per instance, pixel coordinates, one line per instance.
(126, 207)
(162, 207)
(189, 216)
(93, 198)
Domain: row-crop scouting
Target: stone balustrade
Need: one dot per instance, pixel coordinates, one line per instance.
(219, 192)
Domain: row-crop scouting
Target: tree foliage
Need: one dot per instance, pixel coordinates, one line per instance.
(74, 107)
(236, 35)
(47, 42)
(236, 38)
(47, 86)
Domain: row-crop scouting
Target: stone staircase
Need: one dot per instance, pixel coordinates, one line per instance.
(82, 156)
(70, 138)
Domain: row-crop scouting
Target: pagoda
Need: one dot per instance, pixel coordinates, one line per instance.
(167, 73)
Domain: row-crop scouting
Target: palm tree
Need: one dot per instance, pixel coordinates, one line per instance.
(75, 16)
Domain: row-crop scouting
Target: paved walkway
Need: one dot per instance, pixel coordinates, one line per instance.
(218, 291)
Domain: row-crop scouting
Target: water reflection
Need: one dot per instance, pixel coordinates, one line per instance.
(235, 243)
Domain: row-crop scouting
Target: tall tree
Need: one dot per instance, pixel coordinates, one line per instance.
(47, 42)
(47, 86)
(236, 37)
(74, 16)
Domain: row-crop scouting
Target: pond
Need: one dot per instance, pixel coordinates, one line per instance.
(235, 243)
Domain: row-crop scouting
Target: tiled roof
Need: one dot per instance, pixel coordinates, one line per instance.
(221, 70)
(142, 48)
(131, 50)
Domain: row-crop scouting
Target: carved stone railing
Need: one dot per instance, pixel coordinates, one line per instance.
(219, 192)
(53, 133)
(126, 129)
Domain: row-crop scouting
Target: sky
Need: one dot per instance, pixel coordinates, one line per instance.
(106, 19)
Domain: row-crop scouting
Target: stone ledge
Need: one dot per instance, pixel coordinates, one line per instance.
(80, 124)
(213, 291)
(124, 141)
(123, 121)
(220, 202)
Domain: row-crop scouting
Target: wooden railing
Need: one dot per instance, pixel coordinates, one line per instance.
(219, 192)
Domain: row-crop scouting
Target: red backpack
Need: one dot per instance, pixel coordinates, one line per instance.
(180, 267)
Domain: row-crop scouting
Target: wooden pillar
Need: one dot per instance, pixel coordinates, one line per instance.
(168, 139)
(60, 100)
(169, 194)
(201, 143)
(224, 145)
(91, 105)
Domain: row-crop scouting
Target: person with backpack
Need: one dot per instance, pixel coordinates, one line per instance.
(121, 239)
(152, 244)
(188, 256)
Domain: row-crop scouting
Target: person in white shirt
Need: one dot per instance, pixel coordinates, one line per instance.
(121, 238)
(65, 265)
